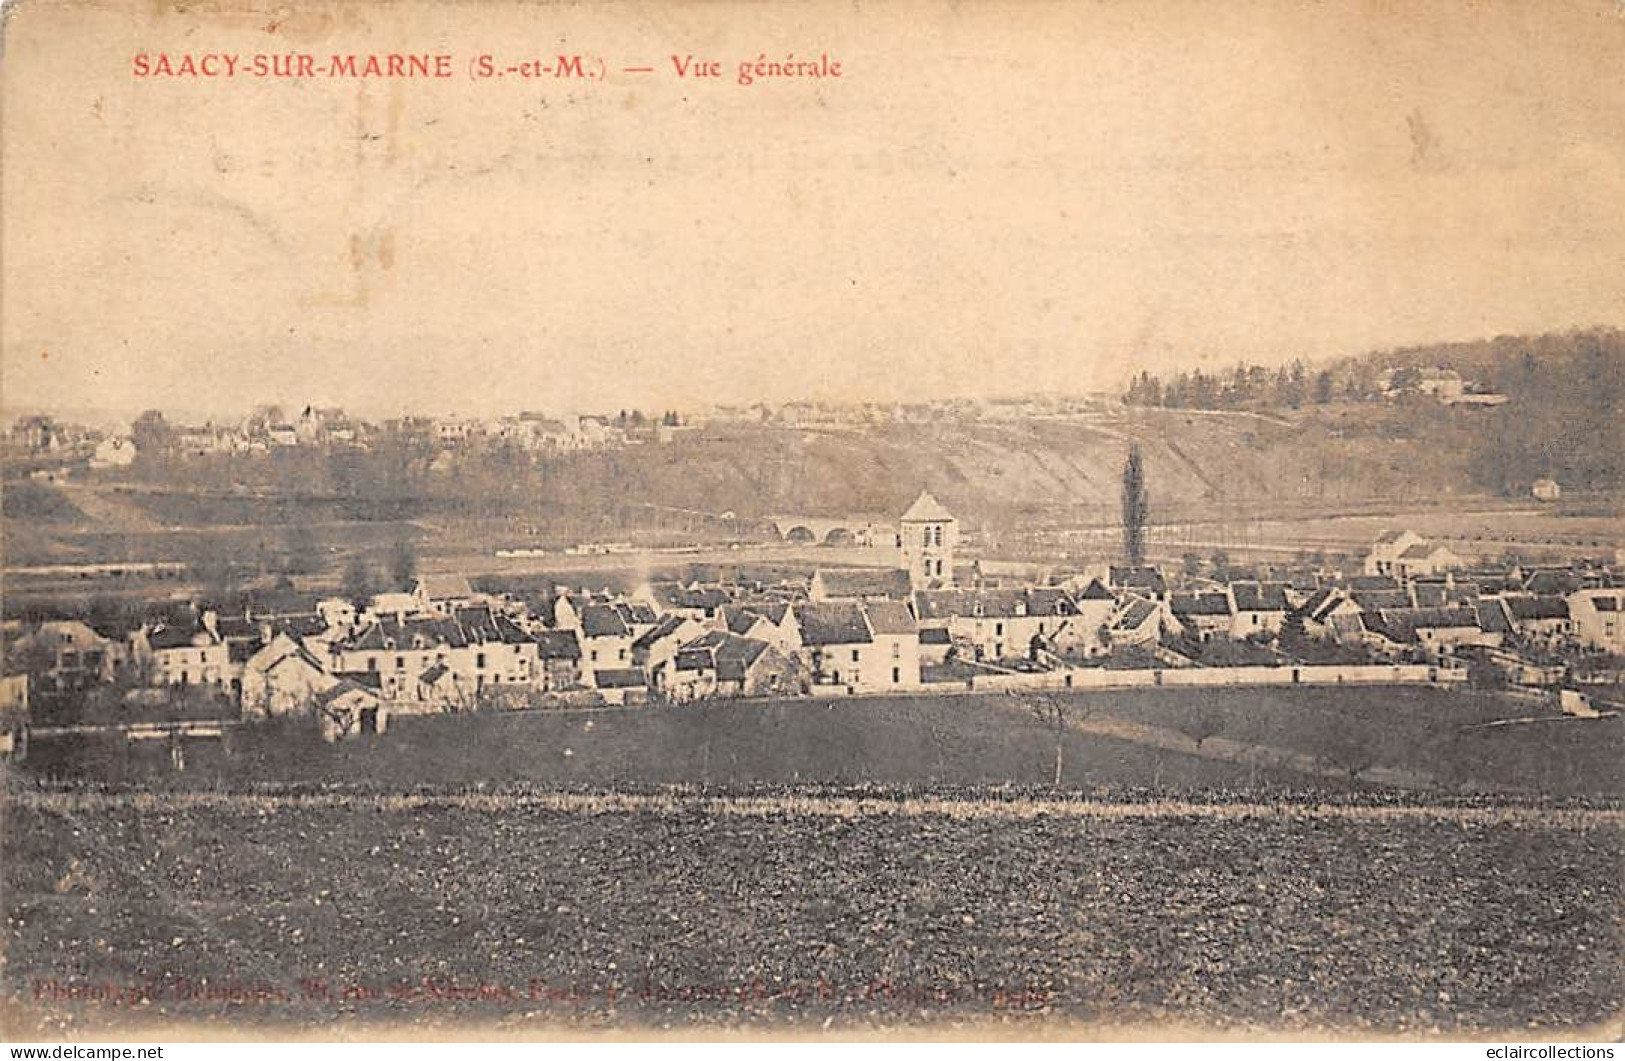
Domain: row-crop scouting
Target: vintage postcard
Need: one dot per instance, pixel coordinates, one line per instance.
(893, 519)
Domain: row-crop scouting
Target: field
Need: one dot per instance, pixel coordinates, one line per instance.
(808, 913)
(1208, 863)
(1166, 740)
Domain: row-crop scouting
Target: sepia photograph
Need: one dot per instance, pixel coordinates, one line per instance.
(835, 521)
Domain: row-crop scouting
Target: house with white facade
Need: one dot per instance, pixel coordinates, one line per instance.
(1598, 618)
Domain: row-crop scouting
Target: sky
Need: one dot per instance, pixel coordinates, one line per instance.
(993, 198)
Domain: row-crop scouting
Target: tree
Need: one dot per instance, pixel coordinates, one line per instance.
(1294, 637)
(1203, 722)
(151, 434)
(1323, 387)
(403, 565)
(358, 585)
(1348, 747)
(1057, 711)
(1136, 509)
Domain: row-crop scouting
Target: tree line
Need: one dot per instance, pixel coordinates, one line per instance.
(1245, 386)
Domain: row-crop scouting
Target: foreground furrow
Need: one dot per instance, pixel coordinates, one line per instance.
(958, 808)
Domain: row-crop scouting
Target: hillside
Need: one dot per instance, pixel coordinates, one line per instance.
(1345, 449)
(995, 474)
(1563, 392)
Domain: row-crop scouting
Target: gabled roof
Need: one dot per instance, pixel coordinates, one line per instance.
(1259, 596)
(703, 598)
(636, 613)
(444, 587)
(296, 654)
(926, 509)
(1526, 609)
(480, 626)
(1551, 582)
(236, 628)
(1492, 617)
(739, 620)
(1096, 591)
(1373, 600)
(833, 623)
(1439, 594)
(658, 632)
(603, 620)
(1421, 551)
(771, 610)
(341, 688)
(865, 583)
(165, 637)
(1319, 603)
(1194, 604)
(1400, 625)
(392, 635)
(298, 625)
(1142, 578)
(557, 644)
(728, 654)
(369, 679)
(620, 678)
(1049, 600)
(1134, 614)
(890, 617)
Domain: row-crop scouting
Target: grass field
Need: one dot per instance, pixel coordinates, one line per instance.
(1260, 738)
(524, 916)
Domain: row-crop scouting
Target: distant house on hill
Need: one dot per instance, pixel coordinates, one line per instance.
(1406, 554)
(1426, 559)
(1386, 550)
(1546, 490)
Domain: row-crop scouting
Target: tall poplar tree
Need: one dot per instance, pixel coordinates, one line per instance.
(1136, 509)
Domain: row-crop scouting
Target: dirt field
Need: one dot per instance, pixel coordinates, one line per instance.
(526, 915)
